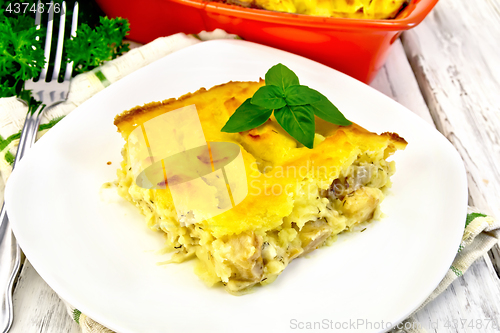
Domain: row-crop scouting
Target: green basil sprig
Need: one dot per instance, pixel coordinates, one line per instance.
(294, 107)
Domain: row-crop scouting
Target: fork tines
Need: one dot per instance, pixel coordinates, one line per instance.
(47, 89)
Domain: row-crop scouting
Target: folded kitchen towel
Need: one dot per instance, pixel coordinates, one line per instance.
(481, 232)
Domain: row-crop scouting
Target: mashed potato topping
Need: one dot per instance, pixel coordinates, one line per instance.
(365, 9)
(298, 198)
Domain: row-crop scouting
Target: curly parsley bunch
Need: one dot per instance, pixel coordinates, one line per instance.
(21, 46)
(92, 47)
(21, 54)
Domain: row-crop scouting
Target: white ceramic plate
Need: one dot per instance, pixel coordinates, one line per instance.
(98, 254)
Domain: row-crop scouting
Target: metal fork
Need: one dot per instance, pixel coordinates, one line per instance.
(50, 92)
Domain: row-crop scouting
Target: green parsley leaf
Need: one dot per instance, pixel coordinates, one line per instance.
(281, 76)
(298, 121)
(329, 112)
(6, 90)
(301, 95)
(92, 47)
(246, 117)
(22, 55)
(269, 97)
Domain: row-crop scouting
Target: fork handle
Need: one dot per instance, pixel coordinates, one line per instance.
(10, 257)
(10, 253)
(28, 134)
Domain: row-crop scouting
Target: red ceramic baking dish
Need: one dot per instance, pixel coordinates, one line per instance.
(356, 47)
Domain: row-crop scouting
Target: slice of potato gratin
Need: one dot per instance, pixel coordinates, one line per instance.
(298, 198)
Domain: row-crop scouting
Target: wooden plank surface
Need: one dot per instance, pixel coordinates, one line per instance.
(469, 305)
(37, 308)
(455, 56)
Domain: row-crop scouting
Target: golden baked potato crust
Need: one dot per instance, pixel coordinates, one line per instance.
(339, 184)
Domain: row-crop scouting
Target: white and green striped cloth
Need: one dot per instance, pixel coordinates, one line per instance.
(481, 232)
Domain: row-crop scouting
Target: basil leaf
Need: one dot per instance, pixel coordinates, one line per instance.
(301, 95)
(246, 117)
(298, 121)
(281, 76)
(269, 97)
(329, 112)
